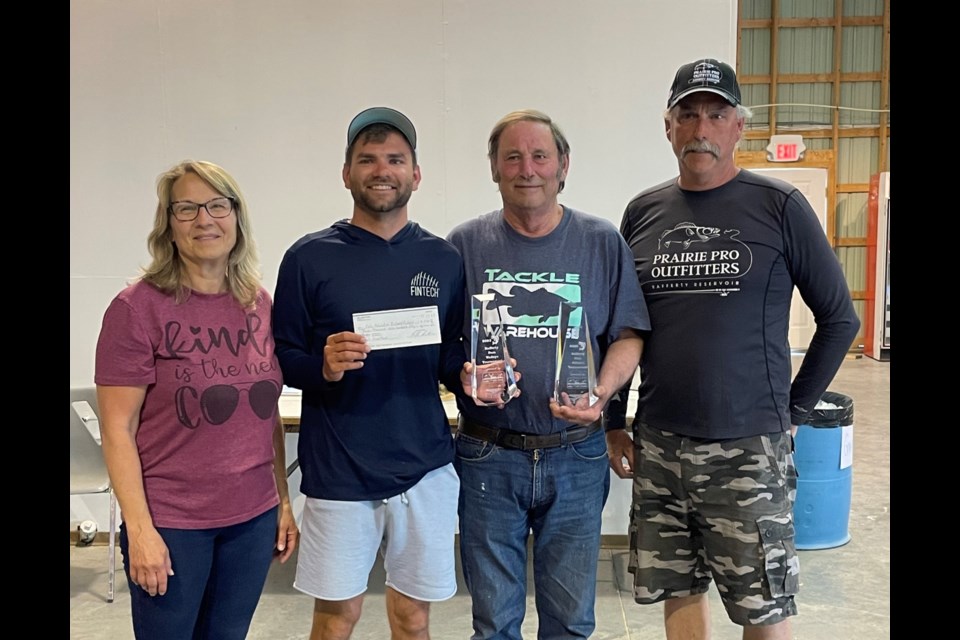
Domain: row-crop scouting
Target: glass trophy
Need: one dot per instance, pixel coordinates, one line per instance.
(576, 373)
(493, 380)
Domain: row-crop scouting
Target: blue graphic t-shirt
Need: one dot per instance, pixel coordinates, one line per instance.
(584, 260)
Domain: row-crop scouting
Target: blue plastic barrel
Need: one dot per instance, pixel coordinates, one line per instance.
(821, 512)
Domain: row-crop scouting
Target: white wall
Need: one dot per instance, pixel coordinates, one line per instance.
(266, 89)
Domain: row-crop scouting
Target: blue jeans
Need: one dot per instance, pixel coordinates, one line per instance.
(558, 494)
(219, 575)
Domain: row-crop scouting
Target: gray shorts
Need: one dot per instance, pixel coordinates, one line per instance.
(414, 531)
(720, 509)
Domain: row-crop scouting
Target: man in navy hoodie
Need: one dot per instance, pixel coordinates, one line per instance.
(375, 447)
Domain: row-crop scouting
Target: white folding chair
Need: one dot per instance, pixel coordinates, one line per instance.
(88, 471)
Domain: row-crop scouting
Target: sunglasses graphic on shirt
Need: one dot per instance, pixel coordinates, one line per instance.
(219, 402)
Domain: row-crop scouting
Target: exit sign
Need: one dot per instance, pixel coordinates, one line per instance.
(785, 148)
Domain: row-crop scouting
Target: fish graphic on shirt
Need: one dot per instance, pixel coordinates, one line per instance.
(521, 301)
(686, 233)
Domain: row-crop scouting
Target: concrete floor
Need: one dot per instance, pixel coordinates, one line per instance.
(844, 592)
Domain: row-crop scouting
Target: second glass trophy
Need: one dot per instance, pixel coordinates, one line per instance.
(493, 379)
(575, 375)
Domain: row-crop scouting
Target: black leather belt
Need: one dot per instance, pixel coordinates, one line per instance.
(526, 441)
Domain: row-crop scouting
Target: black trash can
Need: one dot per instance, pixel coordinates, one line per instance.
(824, 460)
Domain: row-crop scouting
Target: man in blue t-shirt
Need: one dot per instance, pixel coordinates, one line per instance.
(536, 463)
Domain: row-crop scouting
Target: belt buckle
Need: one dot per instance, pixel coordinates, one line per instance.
(523, 441)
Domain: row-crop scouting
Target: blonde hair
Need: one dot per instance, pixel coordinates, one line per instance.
(166, 270)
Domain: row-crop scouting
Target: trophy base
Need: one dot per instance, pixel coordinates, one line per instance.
(493, 384)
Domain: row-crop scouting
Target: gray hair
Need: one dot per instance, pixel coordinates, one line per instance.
(529, 115)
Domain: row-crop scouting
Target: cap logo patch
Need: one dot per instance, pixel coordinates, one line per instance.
(705, 73)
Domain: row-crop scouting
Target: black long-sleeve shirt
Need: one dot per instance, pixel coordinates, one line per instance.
(718, 269)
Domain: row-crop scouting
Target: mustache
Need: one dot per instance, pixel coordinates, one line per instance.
(701, 146)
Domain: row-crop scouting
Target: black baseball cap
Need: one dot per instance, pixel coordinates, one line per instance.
(382, 115)
(706, 74)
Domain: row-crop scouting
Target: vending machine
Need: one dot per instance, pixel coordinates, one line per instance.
(877, 312)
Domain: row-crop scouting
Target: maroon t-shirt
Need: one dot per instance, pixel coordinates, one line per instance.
(206, 425)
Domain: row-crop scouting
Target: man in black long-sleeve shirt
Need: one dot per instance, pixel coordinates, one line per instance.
(718, 251)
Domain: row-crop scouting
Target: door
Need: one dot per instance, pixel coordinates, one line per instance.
(812, 183)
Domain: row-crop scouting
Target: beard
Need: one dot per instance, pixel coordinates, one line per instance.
(376, 202)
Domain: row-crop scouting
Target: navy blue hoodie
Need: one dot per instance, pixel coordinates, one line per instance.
(380, 429)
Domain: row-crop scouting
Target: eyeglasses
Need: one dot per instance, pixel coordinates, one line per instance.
(185, 211)
(219, 402)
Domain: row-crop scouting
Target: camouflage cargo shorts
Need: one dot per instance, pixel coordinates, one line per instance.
(720, 509)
